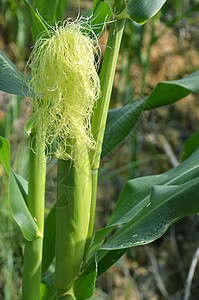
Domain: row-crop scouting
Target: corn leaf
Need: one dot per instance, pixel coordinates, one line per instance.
(12, 80)
(5, 154)
(122, 120)
(37, 26)
(18, 189)
(168, 92)
(147, 206)
(138, 10)
(165, 205)
(169, 205)
(47, 9)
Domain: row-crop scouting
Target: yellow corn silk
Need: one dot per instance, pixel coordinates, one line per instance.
(66, 85)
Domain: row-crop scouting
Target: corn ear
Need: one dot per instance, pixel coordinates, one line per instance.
(72, 215)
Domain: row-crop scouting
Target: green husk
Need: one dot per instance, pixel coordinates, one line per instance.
(73, 213)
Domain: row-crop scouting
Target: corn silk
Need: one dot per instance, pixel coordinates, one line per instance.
(65, 86)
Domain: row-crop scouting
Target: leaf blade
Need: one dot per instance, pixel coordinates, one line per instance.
(168, 92)
(141, 10)
(135, 195)
(19, 209)
(122, 120)
(12, 80)
(167, 205)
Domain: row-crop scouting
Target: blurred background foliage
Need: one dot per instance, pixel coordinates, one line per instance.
(165, 48)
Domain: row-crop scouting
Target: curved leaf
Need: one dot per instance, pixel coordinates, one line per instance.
(136, 194)
(140, 10)
(166, 205)
(145, 209)
(12, 80)
(168, 92)
(20, 212)
(122, 120)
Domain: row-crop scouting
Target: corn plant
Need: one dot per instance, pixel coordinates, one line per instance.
(71, 121)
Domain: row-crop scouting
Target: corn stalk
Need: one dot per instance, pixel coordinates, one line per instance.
(36, 197)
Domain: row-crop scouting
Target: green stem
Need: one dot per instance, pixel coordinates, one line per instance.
(36, 199)
(101, 110)
(106, 80)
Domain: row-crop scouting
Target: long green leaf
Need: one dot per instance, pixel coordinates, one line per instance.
(122, 120)
(168, 92)
(166, 205)
(19, 209)
(135, 195)
(12, 79)
(172, 195)
(5, 154)
(18, 191)
(140, 10)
